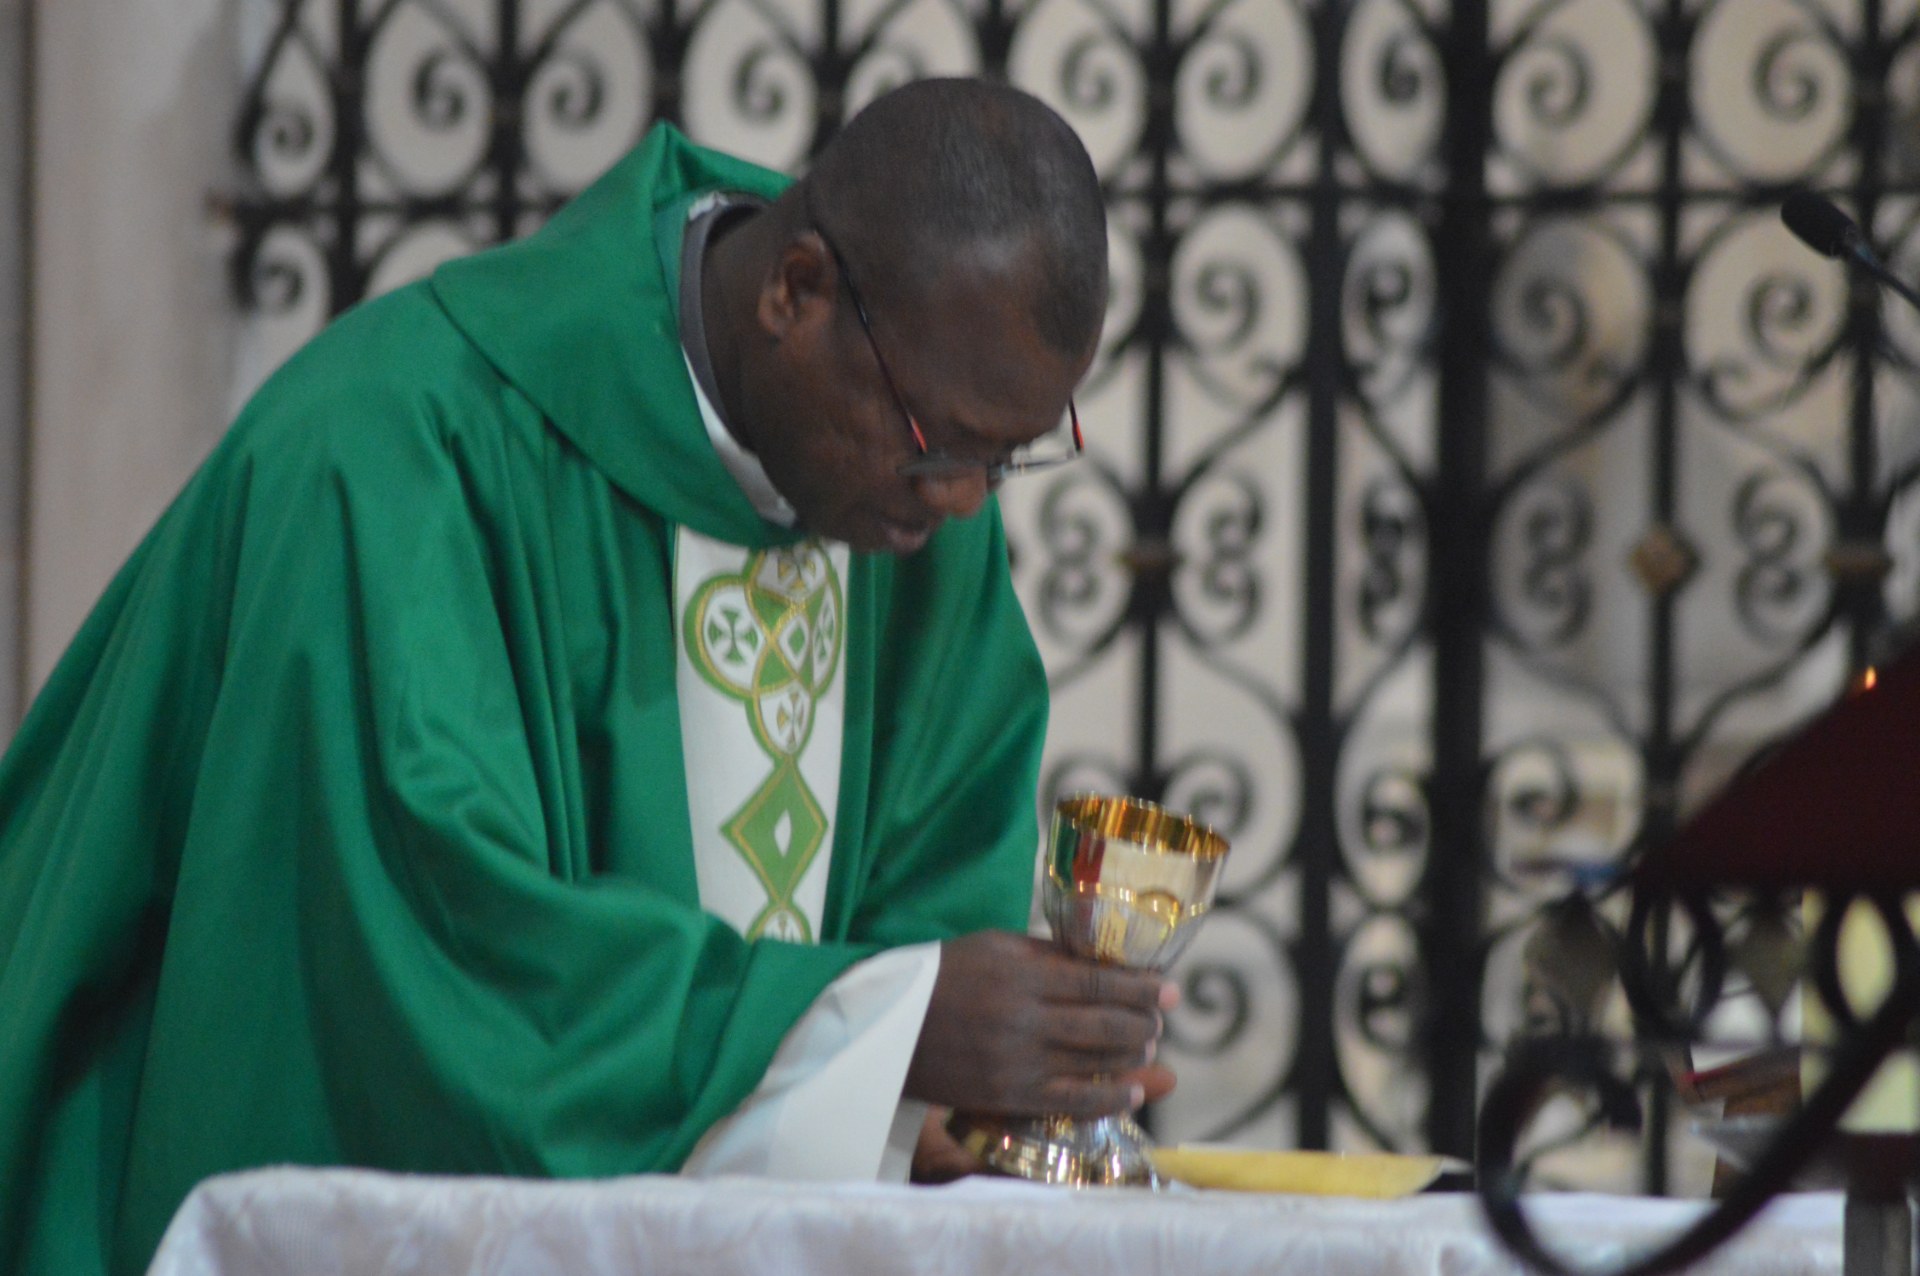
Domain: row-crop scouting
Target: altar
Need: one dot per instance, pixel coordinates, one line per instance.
(300, 1222)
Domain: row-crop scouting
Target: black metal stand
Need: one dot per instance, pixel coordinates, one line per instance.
(1878, 1236)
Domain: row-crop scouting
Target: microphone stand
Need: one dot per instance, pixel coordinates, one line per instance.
(1862, 256)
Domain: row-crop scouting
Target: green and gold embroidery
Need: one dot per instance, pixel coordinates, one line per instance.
(770, 637)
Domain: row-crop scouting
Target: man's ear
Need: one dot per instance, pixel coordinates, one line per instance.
(800, 292)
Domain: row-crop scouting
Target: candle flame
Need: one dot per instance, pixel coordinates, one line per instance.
(1868, 678)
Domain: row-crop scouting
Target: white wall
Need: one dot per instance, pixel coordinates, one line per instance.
(133, 336)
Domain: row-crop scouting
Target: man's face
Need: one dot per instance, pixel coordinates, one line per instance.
(832, 435)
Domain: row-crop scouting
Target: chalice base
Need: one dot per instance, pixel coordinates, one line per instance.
(1109, 1151)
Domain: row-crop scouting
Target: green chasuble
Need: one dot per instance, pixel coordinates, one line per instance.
(352, 828)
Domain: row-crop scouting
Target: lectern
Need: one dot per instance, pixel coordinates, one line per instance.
(1836, 810)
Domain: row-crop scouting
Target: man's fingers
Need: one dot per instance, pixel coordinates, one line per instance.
(1075, 981)
(1119, 1092)
(1125, 1034)
(1157, 1081)
(1014, 1026)
(938, 1158)
(1094, 1096)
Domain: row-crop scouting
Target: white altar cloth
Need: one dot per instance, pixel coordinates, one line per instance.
(301, 1222)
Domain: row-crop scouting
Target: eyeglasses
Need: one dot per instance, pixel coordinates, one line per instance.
(1044, 453)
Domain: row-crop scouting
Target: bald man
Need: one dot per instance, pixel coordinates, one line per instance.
(578, 722)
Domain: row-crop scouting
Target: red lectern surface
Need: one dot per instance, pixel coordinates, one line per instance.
(1837, 806)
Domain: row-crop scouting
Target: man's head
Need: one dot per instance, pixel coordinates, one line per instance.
(967, 221)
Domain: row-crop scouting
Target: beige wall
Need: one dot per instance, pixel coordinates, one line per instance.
(14, 123)
(133, 336)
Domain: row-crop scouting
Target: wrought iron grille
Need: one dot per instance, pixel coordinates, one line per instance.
(1478, 475)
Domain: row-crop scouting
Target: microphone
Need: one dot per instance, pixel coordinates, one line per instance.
(1819, 224)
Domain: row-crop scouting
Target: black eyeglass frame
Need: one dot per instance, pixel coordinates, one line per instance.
(932, 463)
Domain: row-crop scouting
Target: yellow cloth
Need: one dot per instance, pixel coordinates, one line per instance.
(1374, 1175)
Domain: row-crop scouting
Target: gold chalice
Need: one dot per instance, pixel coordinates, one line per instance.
(1128, 883)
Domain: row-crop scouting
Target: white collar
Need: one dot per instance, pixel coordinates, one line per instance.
(742, 464)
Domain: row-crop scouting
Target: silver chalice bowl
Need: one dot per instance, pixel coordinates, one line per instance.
(1127, 882)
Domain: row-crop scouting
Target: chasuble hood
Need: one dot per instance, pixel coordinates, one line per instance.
(588, 355)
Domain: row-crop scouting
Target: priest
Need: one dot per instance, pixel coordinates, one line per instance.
(578, 721)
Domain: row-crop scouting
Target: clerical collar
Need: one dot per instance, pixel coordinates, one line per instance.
(705, 213)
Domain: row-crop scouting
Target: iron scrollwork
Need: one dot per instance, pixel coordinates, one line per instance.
(1556, 530)
(1390, 529)
(1773, 583)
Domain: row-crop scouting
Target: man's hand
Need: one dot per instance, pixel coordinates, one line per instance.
(938, 1156)
(1016, 1026)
